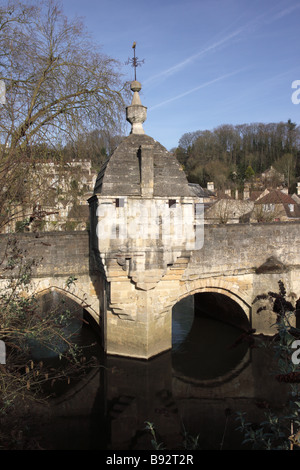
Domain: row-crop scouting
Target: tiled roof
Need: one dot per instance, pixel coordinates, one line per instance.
(276, 197)
(254, 195)
(224, 195)
(201, 192)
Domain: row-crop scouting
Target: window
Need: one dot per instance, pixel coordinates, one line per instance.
(119, 202)
(172, 203)
(269, 207)
(291, 207)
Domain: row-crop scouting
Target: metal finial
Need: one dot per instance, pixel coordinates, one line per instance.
(134, 61)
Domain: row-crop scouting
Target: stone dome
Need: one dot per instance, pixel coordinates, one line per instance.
(121, 173)
(141, 161)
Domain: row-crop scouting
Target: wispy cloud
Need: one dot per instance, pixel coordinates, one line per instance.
(266, 17)
(284, 12)
(181, 65)
(192, 90)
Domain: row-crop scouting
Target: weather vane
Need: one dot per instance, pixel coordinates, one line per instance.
(134, 60)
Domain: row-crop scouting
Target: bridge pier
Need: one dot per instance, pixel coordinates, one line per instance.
(144, 337)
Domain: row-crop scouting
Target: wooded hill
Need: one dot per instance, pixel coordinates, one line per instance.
(230, 155)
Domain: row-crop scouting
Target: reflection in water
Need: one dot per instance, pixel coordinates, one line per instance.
(182, 321)
(204, 347)
(193, 388)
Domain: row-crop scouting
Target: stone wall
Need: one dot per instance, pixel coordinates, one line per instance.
(59, 256)
(58, 253)
(245, 247)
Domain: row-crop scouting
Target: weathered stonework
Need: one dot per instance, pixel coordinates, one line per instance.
(144, 220)
(147, 241)
(144, 226)
(136, 322)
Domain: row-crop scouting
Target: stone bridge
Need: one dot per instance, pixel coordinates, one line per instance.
(148, 248)
(236, 263)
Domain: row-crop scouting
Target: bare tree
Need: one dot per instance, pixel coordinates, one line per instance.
(56, 79)
(58, 83)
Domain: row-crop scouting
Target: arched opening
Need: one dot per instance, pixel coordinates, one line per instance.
(68, 316)
(222, 307)
(210, 336)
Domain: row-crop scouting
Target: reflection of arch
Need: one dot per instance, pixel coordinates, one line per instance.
(220, 381)
(86, 386)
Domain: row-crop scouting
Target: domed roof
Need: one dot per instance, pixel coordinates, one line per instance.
(140, 160)
(121, 173)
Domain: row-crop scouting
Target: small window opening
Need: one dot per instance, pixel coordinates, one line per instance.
(119, 202)
(291, 207)
(172, 203)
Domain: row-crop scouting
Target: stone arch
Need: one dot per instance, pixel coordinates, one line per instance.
(72, 295)
(217, 286)
(240, 320)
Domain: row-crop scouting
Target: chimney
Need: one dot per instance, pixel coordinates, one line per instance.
(211, 186)
(246, 192)
(298, 189)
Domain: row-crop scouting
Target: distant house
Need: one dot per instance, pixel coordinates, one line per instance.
(296, 196)
(58, 197)
(226, 210)
(206, 194)
(265, 205)
(256, 195)
(272, 177)
(275, 206)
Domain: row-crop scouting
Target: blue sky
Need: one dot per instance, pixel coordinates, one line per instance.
(206, 62)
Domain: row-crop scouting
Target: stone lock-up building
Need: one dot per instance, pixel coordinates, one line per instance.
(144, 223)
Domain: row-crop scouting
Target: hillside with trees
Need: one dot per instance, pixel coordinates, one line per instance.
(229, 155)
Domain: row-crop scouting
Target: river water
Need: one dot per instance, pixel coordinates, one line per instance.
(194, 390)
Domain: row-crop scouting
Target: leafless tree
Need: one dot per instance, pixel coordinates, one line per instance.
(58, 83)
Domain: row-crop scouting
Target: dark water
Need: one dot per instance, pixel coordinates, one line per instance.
(196, 388)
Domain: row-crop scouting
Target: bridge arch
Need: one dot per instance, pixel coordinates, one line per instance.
(210, 354)
(73, 294)
(74, 314)
(215, 287)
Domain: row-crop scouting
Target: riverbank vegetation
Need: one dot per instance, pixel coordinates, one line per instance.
(25, 379)
(281, 429)
(39, 353)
